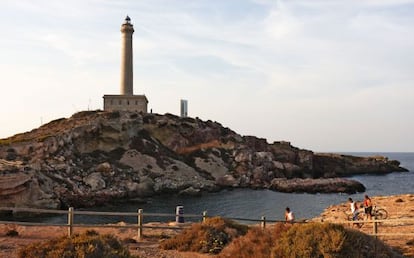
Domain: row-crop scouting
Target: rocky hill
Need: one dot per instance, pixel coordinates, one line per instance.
(95, 157)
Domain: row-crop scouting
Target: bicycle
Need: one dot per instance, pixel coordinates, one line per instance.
(379, 213)
(359, 217)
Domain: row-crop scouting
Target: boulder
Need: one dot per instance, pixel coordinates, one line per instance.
(95, 181)
(190, 191)
(104, 167)
(227, 181)
(145, 187)
(320, 185)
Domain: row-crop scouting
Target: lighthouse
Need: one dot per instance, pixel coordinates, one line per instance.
(126, 100)
(126, 57)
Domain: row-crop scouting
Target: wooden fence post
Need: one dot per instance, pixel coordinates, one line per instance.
(263, 222)
(375, 232)
(140, 219)
(204, 216)
(70, 221)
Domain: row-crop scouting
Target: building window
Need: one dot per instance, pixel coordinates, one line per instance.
(120, 102)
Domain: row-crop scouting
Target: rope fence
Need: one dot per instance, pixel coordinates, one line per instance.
(71, 212)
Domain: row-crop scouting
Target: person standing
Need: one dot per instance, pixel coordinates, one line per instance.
(289, 216)
(368, 207)
(354, 209)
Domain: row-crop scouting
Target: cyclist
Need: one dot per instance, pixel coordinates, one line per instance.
(368, 207)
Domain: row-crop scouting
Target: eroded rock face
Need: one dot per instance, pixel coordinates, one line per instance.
(97, 157)
(19, 187)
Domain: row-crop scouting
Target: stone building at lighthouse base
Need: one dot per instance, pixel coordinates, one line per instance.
(135, 103)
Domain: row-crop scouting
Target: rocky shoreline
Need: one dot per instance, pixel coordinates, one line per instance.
(96, 157)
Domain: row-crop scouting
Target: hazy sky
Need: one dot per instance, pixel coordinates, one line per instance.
(330, 75)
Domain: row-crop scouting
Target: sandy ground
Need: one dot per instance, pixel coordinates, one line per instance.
(400, 212)
(398, 207)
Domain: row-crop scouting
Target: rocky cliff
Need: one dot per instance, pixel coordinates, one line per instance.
(96, 157)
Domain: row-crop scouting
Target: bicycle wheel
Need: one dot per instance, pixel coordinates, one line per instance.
(360, 217)
(381, 214)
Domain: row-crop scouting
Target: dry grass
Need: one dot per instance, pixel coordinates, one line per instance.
(306, 240)
(206, 145)
(256, 243)
(208, 237)
(89, 244)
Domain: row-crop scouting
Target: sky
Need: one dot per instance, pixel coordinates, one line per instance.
(325, 75)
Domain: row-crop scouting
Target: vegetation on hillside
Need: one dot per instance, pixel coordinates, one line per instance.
(89, 244)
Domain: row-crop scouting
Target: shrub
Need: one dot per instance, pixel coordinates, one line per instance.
(88, 245)
(328, 241)
(312, 240)
(208, 237)
(12, 233)
(306, 240)
(256, 243)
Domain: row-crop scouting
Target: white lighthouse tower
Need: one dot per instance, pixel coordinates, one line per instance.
(126, 101)
(126, 58)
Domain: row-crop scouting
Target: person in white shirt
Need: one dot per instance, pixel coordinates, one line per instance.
(355, 211)
(289, 217)
(354, 208)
